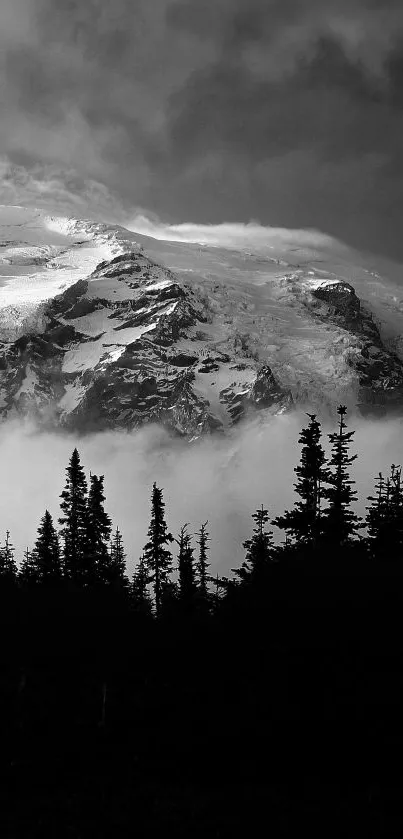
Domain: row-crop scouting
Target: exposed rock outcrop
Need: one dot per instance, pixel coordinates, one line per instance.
(379, 371)
(122, 349)
(198, 350)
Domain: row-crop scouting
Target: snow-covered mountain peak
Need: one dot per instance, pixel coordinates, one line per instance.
(106, 328)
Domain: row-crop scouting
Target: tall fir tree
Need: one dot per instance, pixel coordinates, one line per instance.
(8, 566)
(396, 511)
(43, 564)
(259, 549)
(46, 553)
(377, 518)
(202, 564)
(140, 595)
(98, 533)
(384, 518)
(186, 570)
(221, 587)
(339, 523)
(116, 569)
(28, 573)
(302, 522)
(74, 522)
(157, 557)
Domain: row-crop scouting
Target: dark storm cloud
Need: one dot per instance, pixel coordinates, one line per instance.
(286, 111)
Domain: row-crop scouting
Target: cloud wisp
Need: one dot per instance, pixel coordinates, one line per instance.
(229, 235)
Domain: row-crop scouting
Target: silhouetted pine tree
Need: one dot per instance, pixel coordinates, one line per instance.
(259, 549)
(186, 570)
(218, 591)
(8, 567)
(139, 592)
(396, 512)
(202, 565)
(46, 553)
(157, 558)
(169, 599)
(74, 522)
(116, 570)
(377, 518)
(221, 587)
(302, 523)
(338, 522)
(385, 517)
(28, 574)
(98, 533)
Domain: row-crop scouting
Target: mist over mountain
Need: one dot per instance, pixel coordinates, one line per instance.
(221, 480)
(106, 328)
(187, 355)
(201, 414)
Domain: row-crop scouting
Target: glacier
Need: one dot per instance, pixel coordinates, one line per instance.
(102, 327)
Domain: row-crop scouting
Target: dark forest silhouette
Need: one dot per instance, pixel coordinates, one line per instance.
(181, 702)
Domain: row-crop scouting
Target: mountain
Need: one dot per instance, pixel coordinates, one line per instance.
(104, 328)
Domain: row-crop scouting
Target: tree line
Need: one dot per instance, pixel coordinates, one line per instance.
(180, 702)
(86, 552)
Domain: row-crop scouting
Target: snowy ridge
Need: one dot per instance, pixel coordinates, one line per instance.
(119, 330)
(124, 347)
(39, 257)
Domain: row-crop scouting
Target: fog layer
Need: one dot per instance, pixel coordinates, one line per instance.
(222, 480)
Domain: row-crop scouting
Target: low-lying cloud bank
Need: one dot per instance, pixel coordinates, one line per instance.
(229, 235)
(222, 480)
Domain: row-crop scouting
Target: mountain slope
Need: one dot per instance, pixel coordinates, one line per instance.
(226, 334)
(131, 345)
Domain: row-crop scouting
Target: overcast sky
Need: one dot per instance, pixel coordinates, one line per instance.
(289, 112)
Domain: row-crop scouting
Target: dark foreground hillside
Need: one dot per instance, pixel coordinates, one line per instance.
(282, 713)
(183, 704)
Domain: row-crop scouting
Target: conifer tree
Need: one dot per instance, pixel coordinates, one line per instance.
(259, 549)
(395, 532)
(222, 586)
(28, 573)
(384, 518)
(169, 599)
(157, 557)
(339, 523)
(46, 554)
(140, 595)
(377, 518)
(186, 569)
(74, 522)
(217, 592)
(202, 565)
(98, 533)
(116, 569)
(302, 523)
(8, 566)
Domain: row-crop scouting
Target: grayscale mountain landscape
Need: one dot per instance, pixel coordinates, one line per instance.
(103, 328)
(201, 419)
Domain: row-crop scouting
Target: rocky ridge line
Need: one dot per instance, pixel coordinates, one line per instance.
(127, 347)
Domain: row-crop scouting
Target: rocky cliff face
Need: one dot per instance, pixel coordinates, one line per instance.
(379, 371)
(127, 347)
(197, 347)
